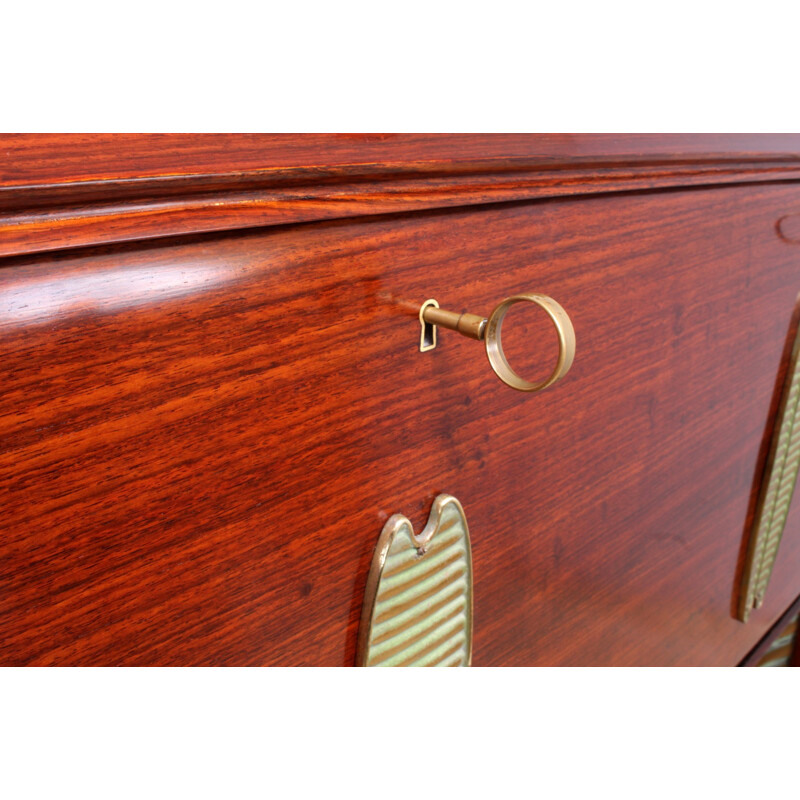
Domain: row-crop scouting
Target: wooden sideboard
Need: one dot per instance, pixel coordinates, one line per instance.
(212, 396)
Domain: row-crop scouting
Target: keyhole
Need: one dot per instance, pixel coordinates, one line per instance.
(428, 338)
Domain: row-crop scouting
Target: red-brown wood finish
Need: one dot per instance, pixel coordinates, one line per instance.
(31, 159)
(202, 437)
(789, 228)
(755, 655)
(80, 190)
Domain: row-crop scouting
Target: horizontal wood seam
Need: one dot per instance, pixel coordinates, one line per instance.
(43, 217)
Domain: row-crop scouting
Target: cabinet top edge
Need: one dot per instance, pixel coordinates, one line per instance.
(36, 159)
(62, 191)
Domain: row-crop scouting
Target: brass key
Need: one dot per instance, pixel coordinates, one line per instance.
(489, 329)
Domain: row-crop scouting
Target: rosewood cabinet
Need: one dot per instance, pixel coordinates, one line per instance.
(213, 396)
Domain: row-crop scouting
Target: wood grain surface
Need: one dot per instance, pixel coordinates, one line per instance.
(60, 191)
(789, 227)
(755, 655)
(30, 159)
(201, 438)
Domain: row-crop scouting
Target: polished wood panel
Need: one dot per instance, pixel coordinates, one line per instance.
(759, 651)
(56, 157)
(789, 228)
(74, 191)
(202, 438)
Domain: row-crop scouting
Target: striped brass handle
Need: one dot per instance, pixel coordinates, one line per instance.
(776, 485)
(417, 608)
(490, 332)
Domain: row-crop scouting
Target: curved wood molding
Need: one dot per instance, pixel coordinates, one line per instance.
(73, 191)
(789, 228)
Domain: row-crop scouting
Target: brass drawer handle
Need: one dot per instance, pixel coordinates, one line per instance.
(776, 484)
(489, 331)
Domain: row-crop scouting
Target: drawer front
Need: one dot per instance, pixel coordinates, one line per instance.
(201, 439)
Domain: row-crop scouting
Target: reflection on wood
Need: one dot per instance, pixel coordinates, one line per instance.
(781, 650)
